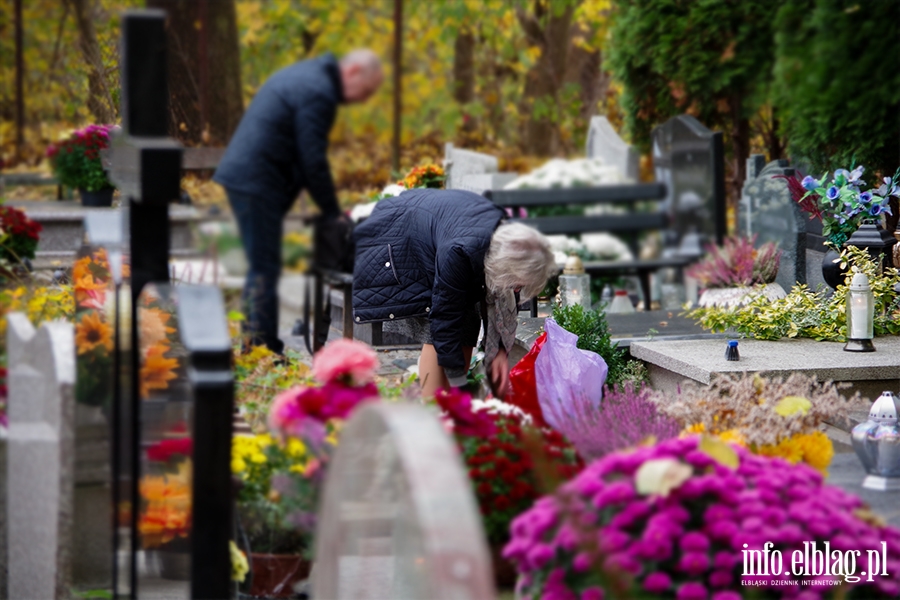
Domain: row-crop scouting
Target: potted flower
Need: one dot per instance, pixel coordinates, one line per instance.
(76, 163)
(19, 237)
(501, 465)
(842, 206)
(729, 272)
(279, 549)
(282, 473)
(679, 520)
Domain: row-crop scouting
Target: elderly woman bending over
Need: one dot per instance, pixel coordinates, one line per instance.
(435, 264)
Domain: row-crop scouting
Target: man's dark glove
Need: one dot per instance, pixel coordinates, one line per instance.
(333, 247)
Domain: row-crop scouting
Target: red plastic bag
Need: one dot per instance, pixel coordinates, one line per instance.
(522, 386)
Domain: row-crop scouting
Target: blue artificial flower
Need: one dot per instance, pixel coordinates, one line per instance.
(876, 209)
(842, 173)
(865, 197)
(832, 193)
(856, 174)
(887, 208)
(809, 183)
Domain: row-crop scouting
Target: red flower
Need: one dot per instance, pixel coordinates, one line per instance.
(164, 450)
(458, 406)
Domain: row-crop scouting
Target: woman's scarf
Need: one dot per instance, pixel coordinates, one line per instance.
(500, 329)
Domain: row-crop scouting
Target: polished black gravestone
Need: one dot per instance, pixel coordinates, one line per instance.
(690, 159)
(768, 211)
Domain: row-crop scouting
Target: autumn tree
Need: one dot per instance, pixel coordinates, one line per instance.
(836, 82)
(709, 59)
(206, 101)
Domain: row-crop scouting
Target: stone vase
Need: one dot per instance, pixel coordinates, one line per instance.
(99, 198)
(274, 575)
(732, 297)
(831, 271)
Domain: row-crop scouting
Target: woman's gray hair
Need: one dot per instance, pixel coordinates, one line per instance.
(519, 257)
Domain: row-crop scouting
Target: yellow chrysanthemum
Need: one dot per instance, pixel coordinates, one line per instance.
(733, 436)
(238, 465)
(693, 429)
(817, 449)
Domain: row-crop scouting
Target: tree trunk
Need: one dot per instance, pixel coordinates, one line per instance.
(206, 104)
(464, 73)
(740, 147)
(549, 29)
(100, 101)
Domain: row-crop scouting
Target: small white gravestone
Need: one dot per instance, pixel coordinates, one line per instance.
(458, 163)
(40, 457)
(397, 518)
(604, 143)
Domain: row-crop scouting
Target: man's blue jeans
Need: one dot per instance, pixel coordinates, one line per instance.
(261, 223)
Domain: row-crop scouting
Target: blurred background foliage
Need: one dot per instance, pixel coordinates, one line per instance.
(516, 78)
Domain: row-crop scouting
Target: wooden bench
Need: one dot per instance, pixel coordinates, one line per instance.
(632, 224)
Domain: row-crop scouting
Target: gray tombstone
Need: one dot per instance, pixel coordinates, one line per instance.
(459, 162)
(484, 181)
(397, 518)
(40, 457)
(604, 143)
(690, 160)
(767, 210)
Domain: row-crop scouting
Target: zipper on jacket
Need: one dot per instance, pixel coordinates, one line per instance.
(391, 258)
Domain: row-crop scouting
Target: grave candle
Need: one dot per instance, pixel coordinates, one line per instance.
(860, 315)
(575, 284)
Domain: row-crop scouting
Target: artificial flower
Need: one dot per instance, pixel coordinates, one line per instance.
(156, 370)
(92, 332)
(350, 361)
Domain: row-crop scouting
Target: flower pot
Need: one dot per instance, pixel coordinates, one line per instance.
(99, 198)
(731, 297)
(274, 575)
(831, 271)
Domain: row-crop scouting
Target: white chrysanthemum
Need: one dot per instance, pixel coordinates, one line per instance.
(362, 211)
(498, 407)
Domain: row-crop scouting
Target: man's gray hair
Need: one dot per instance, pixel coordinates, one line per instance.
(519, 257)
(365, 58)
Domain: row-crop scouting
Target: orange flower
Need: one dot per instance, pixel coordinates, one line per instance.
(153, 326)
(157, 370)
(167, 506)
(91, 332)
(89, 293)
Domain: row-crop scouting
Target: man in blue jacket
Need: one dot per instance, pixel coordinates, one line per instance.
(280, 148)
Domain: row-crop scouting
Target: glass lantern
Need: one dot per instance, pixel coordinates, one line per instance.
(860, 315)
(575, 284)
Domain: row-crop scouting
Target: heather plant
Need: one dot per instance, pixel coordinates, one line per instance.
(625, 418)
(737, 263)
(673, 520)
(808, 314)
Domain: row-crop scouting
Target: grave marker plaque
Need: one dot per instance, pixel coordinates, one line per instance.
(397, 518)
(604, 143)
(689, 159)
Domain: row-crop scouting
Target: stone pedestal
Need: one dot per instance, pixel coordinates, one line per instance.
(671, 362)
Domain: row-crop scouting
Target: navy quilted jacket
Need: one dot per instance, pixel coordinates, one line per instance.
(422, 254)
(281, 144)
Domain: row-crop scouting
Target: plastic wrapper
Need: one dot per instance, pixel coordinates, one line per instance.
(569, 381)
(522, 387)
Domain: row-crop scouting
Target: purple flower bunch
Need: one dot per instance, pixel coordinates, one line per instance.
(625, 417)
(844, 205)
(600, 538)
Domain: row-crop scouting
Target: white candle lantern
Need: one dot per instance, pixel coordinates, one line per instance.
(860, 315)
(575, 284)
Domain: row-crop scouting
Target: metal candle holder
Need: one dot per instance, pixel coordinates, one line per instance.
(877, 444)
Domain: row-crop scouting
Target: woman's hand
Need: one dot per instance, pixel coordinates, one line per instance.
(500, 374)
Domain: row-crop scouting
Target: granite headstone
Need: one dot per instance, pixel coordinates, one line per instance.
(40, 458)
(604, 143)
(397, 518)
(689, 159)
